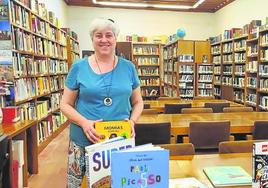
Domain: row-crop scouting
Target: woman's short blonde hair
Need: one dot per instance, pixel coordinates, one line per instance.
(101, 23)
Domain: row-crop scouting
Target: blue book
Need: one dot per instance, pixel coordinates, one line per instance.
(141, 166)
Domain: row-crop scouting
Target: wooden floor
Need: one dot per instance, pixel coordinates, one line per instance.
(52, 164)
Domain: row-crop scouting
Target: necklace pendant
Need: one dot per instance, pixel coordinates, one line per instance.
(108, 101)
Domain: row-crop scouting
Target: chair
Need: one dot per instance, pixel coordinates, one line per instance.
(243, 146)
(237, 109)
(204, 97)
(260, 130)
(217, 106)
(146, 106)
(196, 110)
(208, 134)
(149, 111)
(169, 98)
(179, 149)
(155, 133)
(176, 108)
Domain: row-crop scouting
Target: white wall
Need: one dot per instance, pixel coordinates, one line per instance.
(239, 13)
(59, 7)
(198, 26)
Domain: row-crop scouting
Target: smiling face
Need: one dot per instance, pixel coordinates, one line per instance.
(104, 41)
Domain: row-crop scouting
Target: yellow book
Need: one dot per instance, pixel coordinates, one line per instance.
(111, 129)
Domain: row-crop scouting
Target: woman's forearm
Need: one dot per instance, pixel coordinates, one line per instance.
(136, 111)
(72, 115)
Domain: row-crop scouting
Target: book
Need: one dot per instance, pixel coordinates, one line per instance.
(98, 160)
(111, 129)
(185, 183)
(260, 164)
(144, 166)
(10, 114)
(222, 176)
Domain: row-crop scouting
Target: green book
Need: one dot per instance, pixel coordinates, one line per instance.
(222, 176)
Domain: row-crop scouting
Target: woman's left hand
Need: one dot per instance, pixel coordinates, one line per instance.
(133, 134)
(132, 123)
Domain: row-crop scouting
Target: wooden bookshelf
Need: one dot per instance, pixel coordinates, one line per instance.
(239, 69)
(35, 68)
(262, 77)
(73, 50)
(204, 69)
(147, 59)
(243, 76)
(181, 59)
(217, 70)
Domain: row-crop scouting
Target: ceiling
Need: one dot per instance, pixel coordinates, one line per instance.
(207, 6)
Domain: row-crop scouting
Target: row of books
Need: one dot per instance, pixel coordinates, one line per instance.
(205, 78)
(264, 55)
(205, 86)
(240, 57)
(33, 44)
(149, 81)
(240, 45)
(264, 102)
(205, 93)
(227, 47)
(31, 87)
(148, 71)
(147, 50)
(207, 69)
(264, 84)
(239, 96)
(146, 60)
(239, 82)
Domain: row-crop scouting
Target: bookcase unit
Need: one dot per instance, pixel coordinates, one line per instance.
(187, 69)
(204, 69)
(35, 67)
(251, 72)
(227, 70)
(169, 71)
(244, 69)
(262, 92)
(217, 69)
(147, 59)
(239, 69)
(72, 44)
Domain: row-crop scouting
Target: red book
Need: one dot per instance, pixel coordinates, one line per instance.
(10, 114)
(15, 174)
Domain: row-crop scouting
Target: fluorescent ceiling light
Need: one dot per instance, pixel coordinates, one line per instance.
(198, 3)
(121, 4)
(171, 6)
(146, 5)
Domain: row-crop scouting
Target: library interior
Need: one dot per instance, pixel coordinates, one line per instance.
(181, 87)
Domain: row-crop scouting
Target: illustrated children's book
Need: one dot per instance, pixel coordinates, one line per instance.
(222, 176)
(98, 160)
(111, 129)
(144, 166)
(260, 165)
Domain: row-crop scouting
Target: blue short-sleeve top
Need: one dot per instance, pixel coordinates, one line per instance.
(93, 88)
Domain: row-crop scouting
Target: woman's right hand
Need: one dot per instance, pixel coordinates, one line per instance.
(90, 132)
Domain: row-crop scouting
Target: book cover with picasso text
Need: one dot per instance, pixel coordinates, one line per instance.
(143, 166)
(260, 165)
(98, 160)
(112, 129)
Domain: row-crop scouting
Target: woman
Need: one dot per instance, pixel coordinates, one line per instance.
(102, 87)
